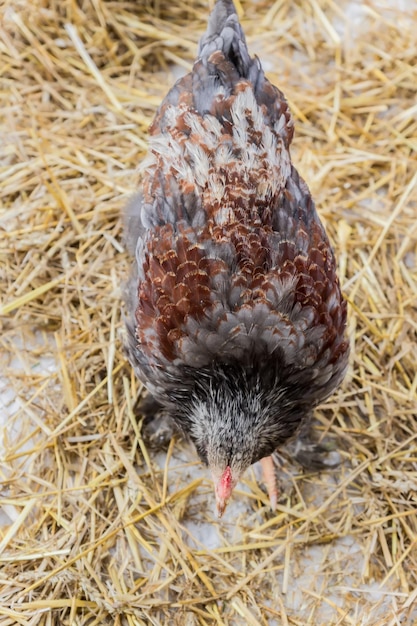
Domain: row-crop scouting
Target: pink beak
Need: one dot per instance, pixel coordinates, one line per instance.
(224, 488)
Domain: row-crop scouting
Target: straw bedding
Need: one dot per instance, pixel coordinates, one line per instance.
(94, 528)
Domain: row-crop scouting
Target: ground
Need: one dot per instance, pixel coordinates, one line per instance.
(96, 528)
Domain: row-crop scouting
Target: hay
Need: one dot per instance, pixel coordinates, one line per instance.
(95, 529)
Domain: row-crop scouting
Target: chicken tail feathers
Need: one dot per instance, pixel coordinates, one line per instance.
(224, 34)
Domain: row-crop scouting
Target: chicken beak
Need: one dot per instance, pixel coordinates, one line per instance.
(224, 484)
(221, 505)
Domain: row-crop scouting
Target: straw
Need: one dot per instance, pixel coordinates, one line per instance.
(95, 526)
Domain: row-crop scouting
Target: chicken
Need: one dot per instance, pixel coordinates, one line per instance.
(236, 321)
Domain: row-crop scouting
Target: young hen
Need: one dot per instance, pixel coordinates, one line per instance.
(236, 319)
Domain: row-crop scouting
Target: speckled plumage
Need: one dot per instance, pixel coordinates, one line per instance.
(237, 321)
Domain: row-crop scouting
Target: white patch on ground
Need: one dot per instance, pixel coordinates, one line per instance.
(183, 468)
(13, 409)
